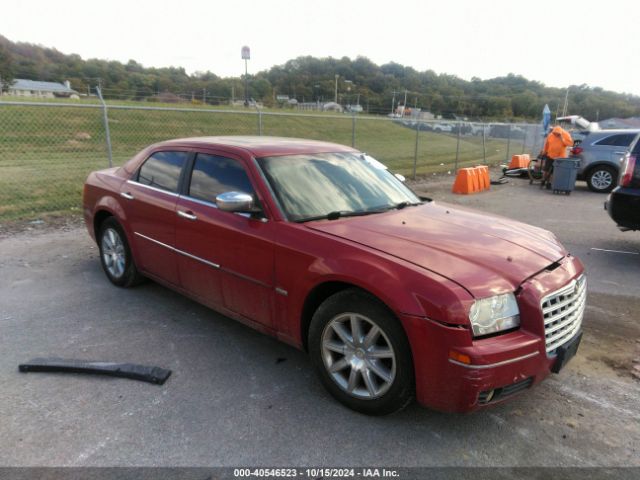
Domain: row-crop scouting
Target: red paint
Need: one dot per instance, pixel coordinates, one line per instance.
(426, 263)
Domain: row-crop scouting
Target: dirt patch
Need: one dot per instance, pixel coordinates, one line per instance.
(610, 345)
(45, 223)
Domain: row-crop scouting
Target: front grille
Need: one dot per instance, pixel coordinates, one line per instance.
(502, 392)
(563, 311)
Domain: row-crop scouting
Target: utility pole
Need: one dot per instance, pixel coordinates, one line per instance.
(335, 95)
(204, 95)
(566, 103)
(246, 55)
(405, 101)
(393, 102)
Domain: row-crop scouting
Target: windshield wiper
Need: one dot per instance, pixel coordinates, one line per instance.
(341, 214)
(358, 213)
(401, 205)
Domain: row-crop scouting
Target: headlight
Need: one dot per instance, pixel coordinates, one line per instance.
(494, 314)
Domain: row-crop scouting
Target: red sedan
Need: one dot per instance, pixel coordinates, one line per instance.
(393, 296)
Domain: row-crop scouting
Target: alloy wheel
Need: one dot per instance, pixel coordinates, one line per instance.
(358, 356)
(601, 180)
(113, 253)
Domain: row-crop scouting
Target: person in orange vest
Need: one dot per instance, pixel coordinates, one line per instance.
(555, 146)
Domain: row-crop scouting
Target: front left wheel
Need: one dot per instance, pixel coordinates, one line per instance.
(361, 353)
(115, 255)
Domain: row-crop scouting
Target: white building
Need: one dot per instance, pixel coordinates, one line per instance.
(36, 89)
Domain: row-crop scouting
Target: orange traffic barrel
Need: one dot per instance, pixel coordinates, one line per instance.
(519, 161)
(466, 181)
(483, 174)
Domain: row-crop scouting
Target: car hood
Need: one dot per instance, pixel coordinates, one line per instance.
(485, 254)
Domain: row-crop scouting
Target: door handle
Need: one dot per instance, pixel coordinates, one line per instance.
(187, 215)
(127, 195)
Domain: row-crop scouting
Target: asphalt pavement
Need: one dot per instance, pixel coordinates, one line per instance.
(237, 397)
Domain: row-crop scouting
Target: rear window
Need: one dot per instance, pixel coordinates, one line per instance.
(618, 140)
(162, 170)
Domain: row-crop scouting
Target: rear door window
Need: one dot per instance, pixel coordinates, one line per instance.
(213, 175)
(162, 170)
(618, 140)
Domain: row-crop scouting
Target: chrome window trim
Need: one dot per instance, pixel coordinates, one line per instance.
(156, 189)
(497, 364)
(197, 200)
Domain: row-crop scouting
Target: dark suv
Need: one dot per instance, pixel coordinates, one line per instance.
(623, 203)
(600, 153)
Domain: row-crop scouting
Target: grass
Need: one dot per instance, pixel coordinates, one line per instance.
(47, 152)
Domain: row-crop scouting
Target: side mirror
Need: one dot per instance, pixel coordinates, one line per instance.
(236, 202)
(400, 177)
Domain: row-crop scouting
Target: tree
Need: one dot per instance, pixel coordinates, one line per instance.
(6, 69)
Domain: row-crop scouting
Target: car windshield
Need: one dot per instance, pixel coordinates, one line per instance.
(330, 185)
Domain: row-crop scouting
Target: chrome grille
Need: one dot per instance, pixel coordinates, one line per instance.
(563, 311)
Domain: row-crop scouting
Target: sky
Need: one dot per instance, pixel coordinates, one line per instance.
(559, 43)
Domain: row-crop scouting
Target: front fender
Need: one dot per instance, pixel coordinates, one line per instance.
(304, 262)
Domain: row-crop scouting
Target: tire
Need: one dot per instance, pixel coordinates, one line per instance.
(602, 179)
(115, 255)
(374, 374)
(534, 171)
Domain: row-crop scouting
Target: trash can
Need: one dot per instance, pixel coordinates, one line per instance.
(565, 171)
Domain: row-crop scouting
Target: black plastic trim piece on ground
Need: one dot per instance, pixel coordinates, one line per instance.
(143, 373)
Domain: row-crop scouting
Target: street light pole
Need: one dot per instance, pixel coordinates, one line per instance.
(246, 55)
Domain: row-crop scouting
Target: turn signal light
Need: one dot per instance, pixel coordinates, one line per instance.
(460, 357)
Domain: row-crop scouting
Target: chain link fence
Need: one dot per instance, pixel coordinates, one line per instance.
(48, 149)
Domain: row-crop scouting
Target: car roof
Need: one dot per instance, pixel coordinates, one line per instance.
(260, 146)
(631, 131)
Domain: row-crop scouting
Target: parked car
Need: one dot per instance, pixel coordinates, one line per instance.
(623, 203)
(601, 153)
(393, 296)
(442, 127)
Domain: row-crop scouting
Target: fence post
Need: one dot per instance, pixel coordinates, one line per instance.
(259, 121)
(524, 142)
(105, 120)
(455, 168)
(415, 152)
(508, 143)
(484, 143)
(353, 129)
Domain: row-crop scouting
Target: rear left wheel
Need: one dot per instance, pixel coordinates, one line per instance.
(115, 255)
(602, 179)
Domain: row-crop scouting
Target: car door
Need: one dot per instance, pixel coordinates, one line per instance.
(225, 258)
(150, 200)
